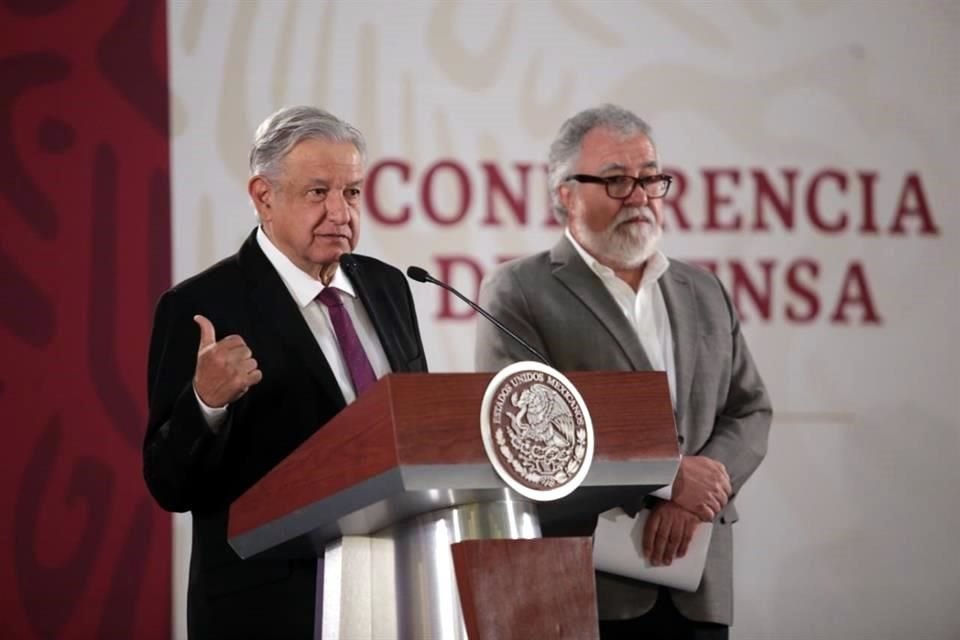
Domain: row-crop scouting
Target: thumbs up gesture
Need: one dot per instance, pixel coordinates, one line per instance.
(225, 369)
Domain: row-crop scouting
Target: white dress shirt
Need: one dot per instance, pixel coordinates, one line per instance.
(647, 313)
(304, 290)
(644, 309)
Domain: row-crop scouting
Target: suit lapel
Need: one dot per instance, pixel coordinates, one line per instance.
(273, 306)
(681, 306)
(385, 318)
(570, 269)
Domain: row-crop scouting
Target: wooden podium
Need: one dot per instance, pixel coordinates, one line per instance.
(405, 467)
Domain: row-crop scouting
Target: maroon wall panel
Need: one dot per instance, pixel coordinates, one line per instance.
(84, 253)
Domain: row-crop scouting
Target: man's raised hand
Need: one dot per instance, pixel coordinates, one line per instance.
(225, 369)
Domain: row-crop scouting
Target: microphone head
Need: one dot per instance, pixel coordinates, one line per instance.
(348, 262)
(418, 274)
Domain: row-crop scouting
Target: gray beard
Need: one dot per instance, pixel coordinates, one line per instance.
(621, 248)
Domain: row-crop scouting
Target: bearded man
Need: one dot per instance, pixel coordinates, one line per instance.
(605, 298)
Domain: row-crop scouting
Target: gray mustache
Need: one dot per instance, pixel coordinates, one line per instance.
(633, 212)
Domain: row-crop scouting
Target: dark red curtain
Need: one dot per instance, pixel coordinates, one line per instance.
(84, 253)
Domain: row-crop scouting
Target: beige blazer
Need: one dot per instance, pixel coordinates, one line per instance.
(555, 302)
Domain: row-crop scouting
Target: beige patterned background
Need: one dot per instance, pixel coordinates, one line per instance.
(849, 528)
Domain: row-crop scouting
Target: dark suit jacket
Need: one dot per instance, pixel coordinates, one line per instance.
(190, 468)
(555, 302)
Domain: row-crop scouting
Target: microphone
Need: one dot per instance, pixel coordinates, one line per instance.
(349, 262)
(421, 275)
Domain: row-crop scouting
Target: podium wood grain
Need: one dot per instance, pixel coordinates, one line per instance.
(522, 589)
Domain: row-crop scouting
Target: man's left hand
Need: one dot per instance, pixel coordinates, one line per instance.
(702, 486)
(667, 533)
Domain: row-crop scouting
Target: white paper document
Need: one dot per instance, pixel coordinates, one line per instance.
(618, 548)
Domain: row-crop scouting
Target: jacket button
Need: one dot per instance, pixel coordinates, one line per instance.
(680, 438)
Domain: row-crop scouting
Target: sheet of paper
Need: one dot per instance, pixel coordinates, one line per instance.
(618, 548)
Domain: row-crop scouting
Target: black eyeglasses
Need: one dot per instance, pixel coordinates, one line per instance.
(622, 187)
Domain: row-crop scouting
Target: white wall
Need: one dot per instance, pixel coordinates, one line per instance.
(848, 527)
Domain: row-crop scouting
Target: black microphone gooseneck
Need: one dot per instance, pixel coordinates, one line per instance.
(421, 275)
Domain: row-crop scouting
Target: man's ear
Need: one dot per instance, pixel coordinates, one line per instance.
(261, 193)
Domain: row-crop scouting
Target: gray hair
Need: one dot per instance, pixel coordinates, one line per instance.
(281, 132)
(565, 150)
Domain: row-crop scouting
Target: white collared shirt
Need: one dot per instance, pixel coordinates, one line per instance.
(647, 313)
(643, 308)
(304, 291)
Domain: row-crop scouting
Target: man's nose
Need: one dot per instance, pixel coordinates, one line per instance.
(337, 209)
(638, 198)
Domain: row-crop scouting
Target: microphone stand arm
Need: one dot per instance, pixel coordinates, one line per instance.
(489, 317)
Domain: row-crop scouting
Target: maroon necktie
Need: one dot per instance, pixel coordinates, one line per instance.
(361, 373)
(362, 376)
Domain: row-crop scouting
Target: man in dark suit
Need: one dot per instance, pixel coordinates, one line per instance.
(245, 364)
(605, 298)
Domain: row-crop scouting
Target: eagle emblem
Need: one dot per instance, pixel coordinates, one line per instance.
(543, 417)
(537, 430)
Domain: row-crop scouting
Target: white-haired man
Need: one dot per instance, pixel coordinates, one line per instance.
(254, 354)
(605, 298)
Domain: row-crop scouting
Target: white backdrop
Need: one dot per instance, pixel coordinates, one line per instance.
(817, 142)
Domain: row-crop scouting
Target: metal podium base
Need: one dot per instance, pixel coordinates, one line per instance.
(399, 584)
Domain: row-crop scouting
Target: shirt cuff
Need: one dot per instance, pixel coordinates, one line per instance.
(214, 416)
(664, 493)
